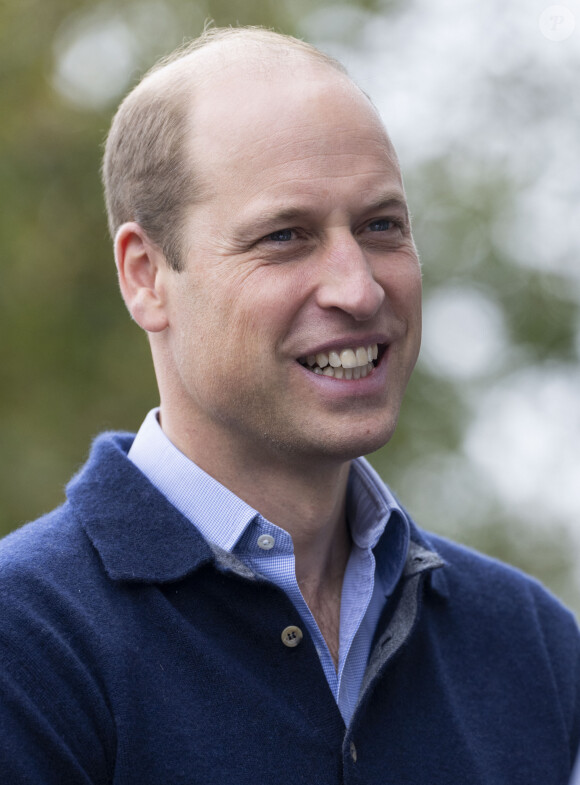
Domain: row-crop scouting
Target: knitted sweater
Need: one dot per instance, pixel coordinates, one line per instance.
(133, 653)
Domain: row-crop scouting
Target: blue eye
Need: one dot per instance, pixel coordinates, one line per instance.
(283, 236)
(381, 225)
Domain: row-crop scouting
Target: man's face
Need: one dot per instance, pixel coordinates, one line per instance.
(298, 260)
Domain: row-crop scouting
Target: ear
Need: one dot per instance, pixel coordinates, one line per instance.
(142, 268)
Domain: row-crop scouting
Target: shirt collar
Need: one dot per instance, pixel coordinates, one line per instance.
(141, 537)
(378, 522)
(220, 515)
(370, 504)
(223, 518)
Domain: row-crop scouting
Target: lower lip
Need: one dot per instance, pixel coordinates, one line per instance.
(347, 388)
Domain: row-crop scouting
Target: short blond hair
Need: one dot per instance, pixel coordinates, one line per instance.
(147, 174)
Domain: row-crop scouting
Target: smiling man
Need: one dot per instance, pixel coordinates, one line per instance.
(232, 594)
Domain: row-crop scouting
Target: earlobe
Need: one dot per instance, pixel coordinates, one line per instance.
(140, 265)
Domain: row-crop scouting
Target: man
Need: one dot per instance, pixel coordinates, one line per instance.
(233, 595)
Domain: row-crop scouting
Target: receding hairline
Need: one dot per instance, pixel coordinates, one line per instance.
(148, 139)
(217, 49)
(249, 52)
(250, 44)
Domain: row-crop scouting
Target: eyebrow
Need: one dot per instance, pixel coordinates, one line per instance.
(390, 201)
(272, 217)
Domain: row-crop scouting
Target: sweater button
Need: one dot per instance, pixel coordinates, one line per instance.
(291, 636)
(353, 753)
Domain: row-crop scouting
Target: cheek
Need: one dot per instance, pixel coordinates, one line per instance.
(233, 334)
(266, 305)
(404, 290)
(240, 314)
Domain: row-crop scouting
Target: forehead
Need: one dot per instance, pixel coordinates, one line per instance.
(284, 129)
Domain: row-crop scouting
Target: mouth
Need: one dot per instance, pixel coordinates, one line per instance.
(349, 363)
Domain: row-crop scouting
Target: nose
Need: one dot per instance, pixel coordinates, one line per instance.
(347, 280)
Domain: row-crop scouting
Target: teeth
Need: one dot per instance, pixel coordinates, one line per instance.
(348, 358)
(345, 373)
(334, 359)
(352, 363)
(362, 357)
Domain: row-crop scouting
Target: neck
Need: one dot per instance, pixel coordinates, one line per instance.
(305, 498)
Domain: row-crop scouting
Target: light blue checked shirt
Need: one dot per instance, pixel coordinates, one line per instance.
(375, 565)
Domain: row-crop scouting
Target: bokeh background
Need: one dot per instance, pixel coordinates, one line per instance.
(483, 105)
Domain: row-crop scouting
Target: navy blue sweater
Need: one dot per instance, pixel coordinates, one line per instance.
(132, 653)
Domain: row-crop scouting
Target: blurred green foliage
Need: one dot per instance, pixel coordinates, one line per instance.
(73, 364)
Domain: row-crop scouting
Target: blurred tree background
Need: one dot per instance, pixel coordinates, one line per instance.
(482, 103)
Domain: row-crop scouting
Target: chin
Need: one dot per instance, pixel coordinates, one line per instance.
(361, 442)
